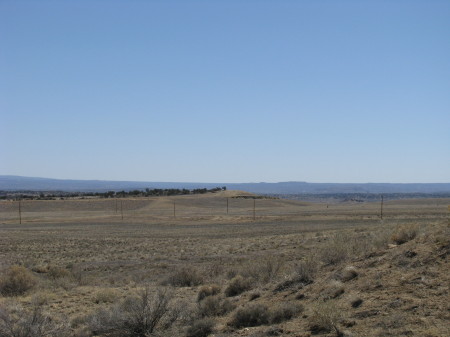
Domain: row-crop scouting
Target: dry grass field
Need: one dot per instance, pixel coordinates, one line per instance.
(263, 267)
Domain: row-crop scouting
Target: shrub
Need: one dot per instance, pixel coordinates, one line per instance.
(324, 318)
(57, 272)
(206, 291)
(16, 281)
(214, 306)
(334, 290)
(284, 312)
(336, 250)
(347, 274)
(305, 271)
(404, 234)
(106, 295)
(263, 269)
(250, 315)
(184, 277)
(201, 328)
(238, 285)
(17, 322)
(137, 316)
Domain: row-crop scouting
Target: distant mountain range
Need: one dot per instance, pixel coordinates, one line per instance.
(18, 183)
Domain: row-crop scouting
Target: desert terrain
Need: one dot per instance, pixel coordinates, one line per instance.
(224, 264)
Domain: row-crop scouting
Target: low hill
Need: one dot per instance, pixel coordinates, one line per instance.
(18, 183)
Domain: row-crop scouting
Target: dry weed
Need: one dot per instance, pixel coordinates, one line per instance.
(325, 318)
(18, 322)
(17, 281)
(206, 291)
(404, 233)
(238, 285)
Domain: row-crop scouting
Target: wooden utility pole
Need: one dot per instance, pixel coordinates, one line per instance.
(174, 214)
(20, 211)
(121, 208)
(116, 205)
(381, 208)
(254, 209)
(227, 205)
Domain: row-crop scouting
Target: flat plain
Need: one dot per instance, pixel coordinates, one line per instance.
(86, 256)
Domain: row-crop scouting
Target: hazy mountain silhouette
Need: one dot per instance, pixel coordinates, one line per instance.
(18, 183)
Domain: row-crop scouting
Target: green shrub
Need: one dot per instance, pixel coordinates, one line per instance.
(17, 281)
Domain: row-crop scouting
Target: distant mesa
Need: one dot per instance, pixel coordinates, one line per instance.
(18, 183)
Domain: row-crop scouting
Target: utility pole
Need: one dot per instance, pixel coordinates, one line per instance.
(174, 214)
(116, 205)
(121, 208)
(254, 209)
(381, 208)
(20, 211)
(227, 205)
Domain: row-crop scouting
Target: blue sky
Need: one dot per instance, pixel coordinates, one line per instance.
(226, 91)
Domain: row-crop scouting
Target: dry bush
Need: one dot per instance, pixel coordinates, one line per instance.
(336, 250)
(106, 295)
(380, 238)
(250, 315)
(306, 270)
(17, 281)
(201, 328)
(285, 311)
(347, 274)
(215, 306)
(355, 301)
(238, 285)
(324, 318)
(57, 273)
(304, 273)
(404, 234)
(137, 316)
(79, 275)
(263, 269)
(184, 277)
(206, 291)
(334, 290)
(17, 322)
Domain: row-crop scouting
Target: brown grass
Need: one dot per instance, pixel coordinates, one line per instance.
(86, 262)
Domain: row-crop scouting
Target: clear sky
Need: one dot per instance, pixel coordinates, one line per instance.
(226, 91)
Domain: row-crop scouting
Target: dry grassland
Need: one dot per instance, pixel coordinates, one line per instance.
(296, 269)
